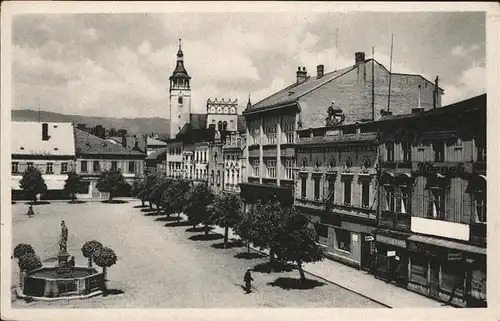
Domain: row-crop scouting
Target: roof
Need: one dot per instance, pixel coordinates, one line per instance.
(130, 140)
(88, 144)
(155, 142)
(293, 92)
(468, 105)
(157, 153)
(347, 138)
(27, 139)
(198, 121)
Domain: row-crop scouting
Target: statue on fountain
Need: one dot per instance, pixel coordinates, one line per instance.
(63, 240)
(63, 265)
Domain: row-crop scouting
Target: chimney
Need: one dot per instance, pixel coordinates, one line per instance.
(99, 131)
(436, 92)
(301, 75)
(359, 58)
(45, 131)
(320, 71)
(136, 142)
(419, 108)
(124, 141)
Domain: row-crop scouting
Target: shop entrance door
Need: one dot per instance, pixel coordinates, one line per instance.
(434, 279)
(366, 255)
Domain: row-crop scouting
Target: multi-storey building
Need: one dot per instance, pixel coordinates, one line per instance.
(233, 161)
(223, 114)
(94, 154)
(200, 160)
(362, 92)
(337, 187)
(47, 147)
(432, 235)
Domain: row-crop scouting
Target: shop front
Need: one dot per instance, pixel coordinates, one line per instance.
(390, 261)
(444, 270)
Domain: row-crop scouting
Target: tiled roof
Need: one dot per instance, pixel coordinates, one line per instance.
(141, 142)
(157, 153)
(293, 92)
(26, 139)
(88, 144)
(198, 121)
(155, 142)
(347, 138)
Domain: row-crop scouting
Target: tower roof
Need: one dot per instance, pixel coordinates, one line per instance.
(249, 103)
(180, 70)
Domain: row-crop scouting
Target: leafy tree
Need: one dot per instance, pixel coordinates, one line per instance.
(111, 182)
(89, 249)
(138, 190)
(198, 200)
(296, 242)
(29, 262)
(105, 257)
(244, 227)
(32, 183)
(150, 185)
(160, 184)
(73, 184)
(174, 196)
(226, 211)
(22, 249)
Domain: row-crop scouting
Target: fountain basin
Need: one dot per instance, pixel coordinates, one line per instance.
(46, 283)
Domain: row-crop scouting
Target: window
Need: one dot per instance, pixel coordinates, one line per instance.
(418, 270)
(347, 192)
(180, 100)
(331, 190)
(83, 166)
(271, 168)
(231, 124)
(218, 177)
(304, 162)
(255, 167)
(224, 126)
(389, 198)
(114, 165)
(50, 168)
(451, 278)
(479, 207)
(402, 199)
(343, 238)
(15, 167)
(365, 193)
(219, 126)
(289, 168)
(212, 177)
(321, 233)
(95, 166)
(30, 164)
(316, 188)
(303, 187)
(438, 148)
(289, 133)
(389, 146)
(331, 164)
(131, 167)
(347, 163)
(481, 153)
(406, 147)
(436, 208)
(64, 168)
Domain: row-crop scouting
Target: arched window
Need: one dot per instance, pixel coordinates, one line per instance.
(219, 125)
(180, 100)
(331, 164)
(317, 163)
(224, 126)
(231, 123)
(347, 163)
(304, 162)
(365, 164)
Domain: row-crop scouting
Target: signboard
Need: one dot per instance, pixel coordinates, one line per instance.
(397, 258)
(454, 256)
(369, 238)
(390, 241)
(445, 169)
(391, 253)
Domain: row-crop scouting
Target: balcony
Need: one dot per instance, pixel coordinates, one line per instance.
(313, 204)
(395, 221)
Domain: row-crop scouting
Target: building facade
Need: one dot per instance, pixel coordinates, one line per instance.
(336, 185)
(179, 96)
(233, 161)
(432, 215)
(45, 146)
(223, 114)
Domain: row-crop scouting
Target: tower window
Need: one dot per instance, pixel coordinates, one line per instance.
(220, 126)
(224, 126)
(180, 100)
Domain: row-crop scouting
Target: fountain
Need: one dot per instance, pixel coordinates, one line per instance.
(64, 281)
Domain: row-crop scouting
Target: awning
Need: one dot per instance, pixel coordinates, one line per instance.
(448, 244)
(387, 178)
(393, 238)
(437, 180)
(476, 184)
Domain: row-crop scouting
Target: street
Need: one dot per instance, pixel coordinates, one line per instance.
(162, 266)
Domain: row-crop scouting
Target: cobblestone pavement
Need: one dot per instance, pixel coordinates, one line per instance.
(163, 266)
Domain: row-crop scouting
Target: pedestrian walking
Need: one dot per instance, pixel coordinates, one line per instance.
(248, 281)
(30, 211)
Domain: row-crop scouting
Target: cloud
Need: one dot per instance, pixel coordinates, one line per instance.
(472, 82)
(461, 51)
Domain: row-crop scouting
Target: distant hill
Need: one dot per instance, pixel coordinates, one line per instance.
(132, 125)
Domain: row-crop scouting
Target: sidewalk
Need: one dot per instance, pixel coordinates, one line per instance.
(361, 283)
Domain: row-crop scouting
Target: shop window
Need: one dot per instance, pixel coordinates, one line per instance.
(389, 146)
(347, 192)
(436, 207)
(438, 149)
(316, 188)
(451, 278)
(303, 187)
(365, 193)
(321, 233)
(418, 270)
(343, 238)
(479, 207)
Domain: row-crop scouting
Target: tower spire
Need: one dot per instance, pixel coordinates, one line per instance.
(249, 103)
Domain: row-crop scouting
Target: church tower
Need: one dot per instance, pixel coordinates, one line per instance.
(180, 96)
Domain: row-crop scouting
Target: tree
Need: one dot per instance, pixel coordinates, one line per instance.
(174, 196)
(22, 249)
(226, 211)
(29, 262)
(244, 227)
(32, 183)
(159, 185)
(297, 241)
(105, 257)
(89, 249)
(111, 182)
(198, 200)
(150, 185)
(73, 184)
(138, 189)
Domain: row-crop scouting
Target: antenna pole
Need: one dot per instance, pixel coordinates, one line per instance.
(373, 83)
(337, 51)
(38, 112)
(390, 75)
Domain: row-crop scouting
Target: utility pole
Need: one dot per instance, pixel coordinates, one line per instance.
(390, 76)
(373, 83)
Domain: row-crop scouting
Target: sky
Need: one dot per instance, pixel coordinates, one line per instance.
(119, 64)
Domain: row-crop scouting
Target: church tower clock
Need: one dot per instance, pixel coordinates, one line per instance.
(180, 96)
